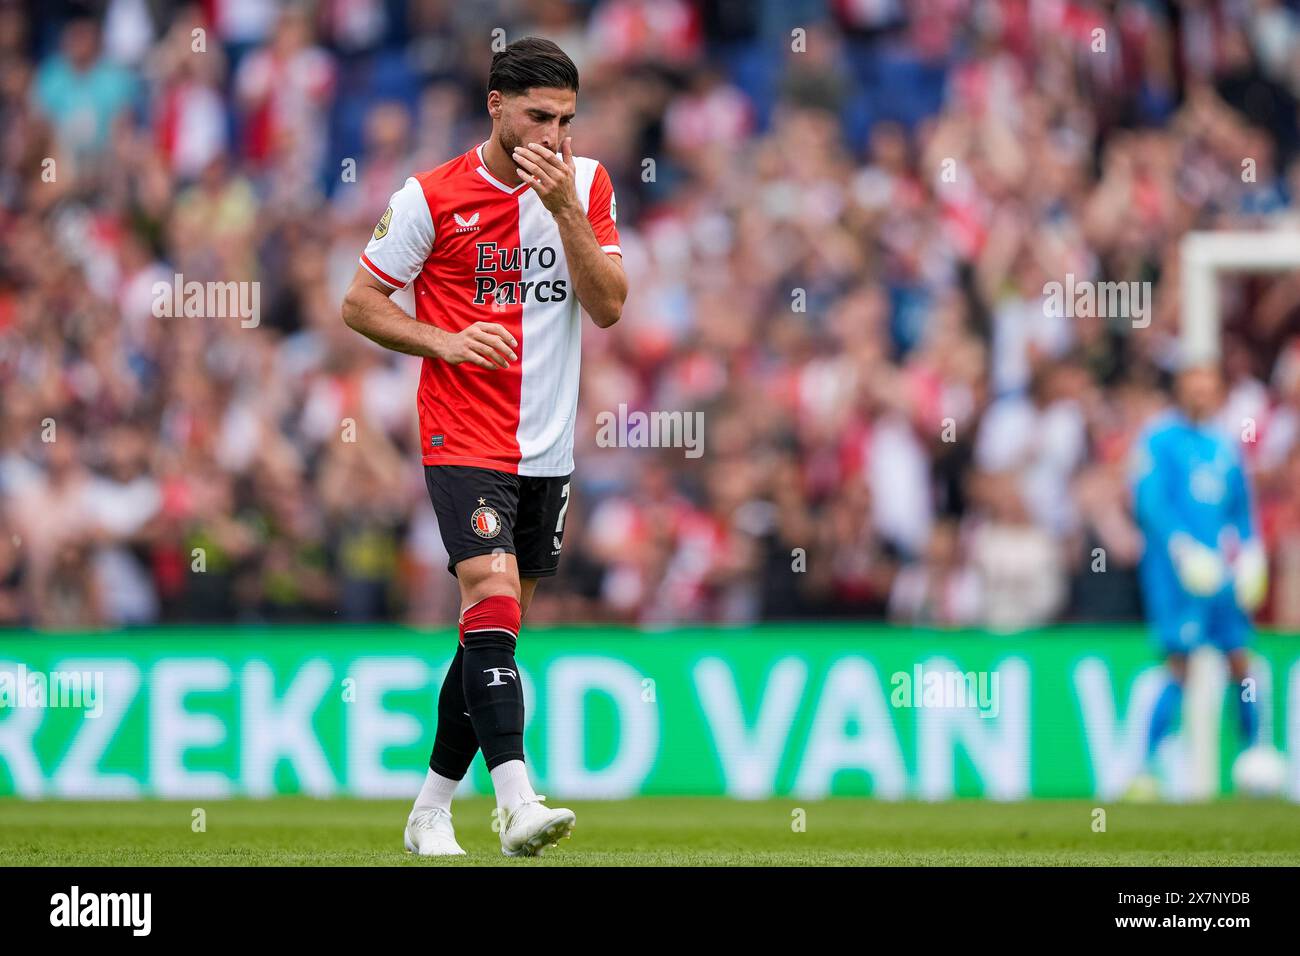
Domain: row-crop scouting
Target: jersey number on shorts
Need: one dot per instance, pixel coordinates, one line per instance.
(559, 525)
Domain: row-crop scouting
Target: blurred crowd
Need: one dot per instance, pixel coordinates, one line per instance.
(839, 221)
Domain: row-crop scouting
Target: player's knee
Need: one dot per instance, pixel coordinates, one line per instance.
(485, 576)
(486, 591)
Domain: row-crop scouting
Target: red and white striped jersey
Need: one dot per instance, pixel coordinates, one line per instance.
(481, 251)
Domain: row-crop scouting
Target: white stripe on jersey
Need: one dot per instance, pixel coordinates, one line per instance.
(552, 344)
(552, 341)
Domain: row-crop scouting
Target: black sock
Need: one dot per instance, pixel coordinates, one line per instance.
(454, 744)
(496, 701)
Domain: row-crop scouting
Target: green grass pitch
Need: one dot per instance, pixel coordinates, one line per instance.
(660, 831)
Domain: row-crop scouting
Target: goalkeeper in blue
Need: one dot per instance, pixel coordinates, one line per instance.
(1203, 570)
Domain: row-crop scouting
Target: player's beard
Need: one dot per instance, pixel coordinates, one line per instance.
(509, 140)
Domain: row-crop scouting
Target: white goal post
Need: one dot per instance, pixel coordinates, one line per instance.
(1203, 257)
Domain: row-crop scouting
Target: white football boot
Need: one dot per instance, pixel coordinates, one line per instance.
(429, 833)
(531, 828)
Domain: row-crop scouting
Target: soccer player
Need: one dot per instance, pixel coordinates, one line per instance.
(503, 243)
(1203, 570)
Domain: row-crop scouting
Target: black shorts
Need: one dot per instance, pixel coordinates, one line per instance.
(483, 511)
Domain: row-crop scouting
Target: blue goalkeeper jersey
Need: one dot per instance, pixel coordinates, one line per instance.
(1189, 477)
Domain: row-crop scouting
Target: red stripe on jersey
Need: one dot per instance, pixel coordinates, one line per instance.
(474, 410)
(379, 273)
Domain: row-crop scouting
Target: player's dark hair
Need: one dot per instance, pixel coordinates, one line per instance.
(531, 62)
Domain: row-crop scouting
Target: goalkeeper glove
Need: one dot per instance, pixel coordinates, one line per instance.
(1200, 569)
(1250, 577)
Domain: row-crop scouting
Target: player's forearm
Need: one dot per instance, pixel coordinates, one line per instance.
(598, 281)
(381, 320)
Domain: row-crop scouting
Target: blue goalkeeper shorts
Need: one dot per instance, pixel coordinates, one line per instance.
(1180, 623)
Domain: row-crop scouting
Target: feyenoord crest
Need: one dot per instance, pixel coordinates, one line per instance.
(381, 230)
(485, 521)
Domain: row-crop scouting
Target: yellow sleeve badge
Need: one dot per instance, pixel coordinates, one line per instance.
(381, 230)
